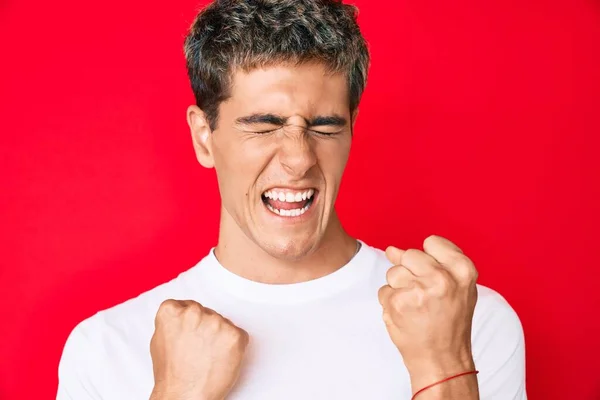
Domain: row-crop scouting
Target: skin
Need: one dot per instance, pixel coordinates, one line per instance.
(304, 143)
(196, 353)
(247, 163)
(428, 307)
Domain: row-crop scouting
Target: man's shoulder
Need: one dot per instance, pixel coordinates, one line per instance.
(135, 310)
(115, 342)
(493, 307)
(130, 320)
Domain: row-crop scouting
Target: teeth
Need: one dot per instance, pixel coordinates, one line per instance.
(289, 213)
(289, 197)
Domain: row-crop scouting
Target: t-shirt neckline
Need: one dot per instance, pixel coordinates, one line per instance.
(357, 269)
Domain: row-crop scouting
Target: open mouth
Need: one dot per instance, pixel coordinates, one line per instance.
(289, 203)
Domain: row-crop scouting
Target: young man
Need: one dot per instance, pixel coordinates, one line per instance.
(288, 305)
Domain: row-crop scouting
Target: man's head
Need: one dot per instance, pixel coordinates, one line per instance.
(277, 85)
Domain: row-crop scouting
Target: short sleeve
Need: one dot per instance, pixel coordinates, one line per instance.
(499, 352)
(75, 367)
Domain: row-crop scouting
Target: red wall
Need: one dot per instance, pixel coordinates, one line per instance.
(480, 123)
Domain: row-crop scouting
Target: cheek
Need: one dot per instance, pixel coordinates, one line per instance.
(257, 153)
(333, 158)
(239, 164)
(239, 157)
(228, 169)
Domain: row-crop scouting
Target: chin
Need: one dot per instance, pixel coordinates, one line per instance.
(288, 249)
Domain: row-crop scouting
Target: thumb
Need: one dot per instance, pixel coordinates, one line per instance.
(394, 254)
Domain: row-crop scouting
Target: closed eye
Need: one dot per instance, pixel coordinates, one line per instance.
(324, 133)
(259, 132)
(317, 131)
(261, 124)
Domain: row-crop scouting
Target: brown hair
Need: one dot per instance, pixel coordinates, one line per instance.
(231, 34)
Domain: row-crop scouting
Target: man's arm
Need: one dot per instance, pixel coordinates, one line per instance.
(430, 313)
(443, 381)
(499, 356)
(428, 306)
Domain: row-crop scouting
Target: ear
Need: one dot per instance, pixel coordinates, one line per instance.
(354, 115)
(201, 136)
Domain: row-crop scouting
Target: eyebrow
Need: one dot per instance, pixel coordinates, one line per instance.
(272, 119)
(328, 120)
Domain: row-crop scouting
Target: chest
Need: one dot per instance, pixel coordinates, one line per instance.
(326, 352)
(325, 357)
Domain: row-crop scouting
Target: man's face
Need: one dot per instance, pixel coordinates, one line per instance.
(280, 148)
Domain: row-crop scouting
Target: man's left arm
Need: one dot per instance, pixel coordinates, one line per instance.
(498, 354)
(428, 307)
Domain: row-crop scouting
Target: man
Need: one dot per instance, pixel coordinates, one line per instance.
(288, 305)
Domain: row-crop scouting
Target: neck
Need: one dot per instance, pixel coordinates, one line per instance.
(242, 256)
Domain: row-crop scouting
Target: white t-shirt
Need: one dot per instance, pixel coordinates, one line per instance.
(321, 340)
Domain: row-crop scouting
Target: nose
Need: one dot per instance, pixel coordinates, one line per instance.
(296, 152)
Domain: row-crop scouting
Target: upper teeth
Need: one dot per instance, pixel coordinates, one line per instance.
(289, 197)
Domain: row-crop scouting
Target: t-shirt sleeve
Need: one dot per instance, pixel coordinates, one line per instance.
(74, 373)
(499, 352)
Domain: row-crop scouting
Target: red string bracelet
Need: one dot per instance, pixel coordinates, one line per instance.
(442, 381)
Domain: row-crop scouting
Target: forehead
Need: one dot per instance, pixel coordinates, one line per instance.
(290, 89)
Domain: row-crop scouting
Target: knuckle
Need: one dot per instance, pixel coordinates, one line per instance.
(169, 306)
(238, 334)
(383, 293)
(218, 324)
(419, 298)
(214, 322)
(398, 301)
(443, 284)
(233, 334)
(389, 275)
(431, 239)
(194, 308)
(415, 298)
(192, 313)
(465, 270)
(463, 263)
(392, 274)
(242, 339)
(410, 255)
(411, 252)
(471, 274)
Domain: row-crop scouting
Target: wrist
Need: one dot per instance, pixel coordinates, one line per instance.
(424, 372)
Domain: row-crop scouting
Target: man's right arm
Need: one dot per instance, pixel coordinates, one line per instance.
(73, 368)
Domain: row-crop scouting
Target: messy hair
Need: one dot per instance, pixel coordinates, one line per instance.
(245, 34)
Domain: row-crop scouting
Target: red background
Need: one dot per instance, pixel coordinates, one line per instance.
(480, 123)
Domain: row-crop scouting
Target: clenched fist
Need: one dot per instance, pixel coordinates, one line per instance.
(428, 307)
(196, 353)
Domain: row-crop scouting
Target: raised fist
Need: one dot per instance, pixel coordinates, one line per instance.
(428, 307)
(196, 353)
